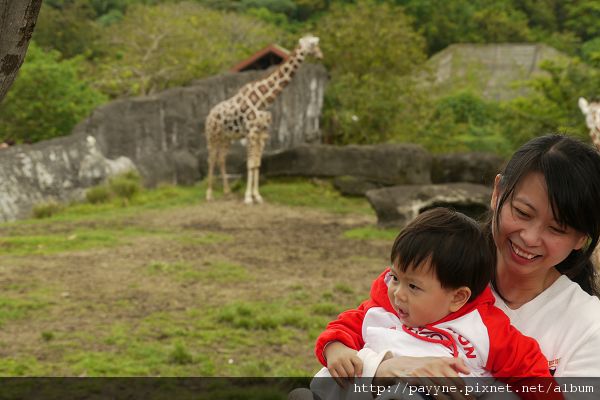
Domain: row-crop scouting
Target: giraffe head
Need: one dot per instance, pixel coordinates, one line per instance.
(310, 45)
(591, 111)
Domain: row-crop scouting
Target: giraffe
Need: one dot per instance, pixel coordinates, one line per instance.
(591, 111)
(244, 116)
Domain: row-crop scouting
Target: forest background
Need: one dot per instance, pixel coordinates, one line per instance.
(85, 53)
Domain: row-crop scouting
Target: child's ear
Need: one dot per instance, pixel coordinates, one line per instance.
(459, 298)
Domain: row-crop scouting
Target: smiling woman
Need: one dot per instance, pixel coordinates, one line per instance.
(544, 227)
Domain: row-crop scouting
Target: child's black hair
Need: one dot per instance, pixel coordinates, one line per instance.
(458, 250)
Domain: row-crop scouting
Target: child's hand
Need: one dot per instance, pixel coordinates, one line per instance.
(342, 362)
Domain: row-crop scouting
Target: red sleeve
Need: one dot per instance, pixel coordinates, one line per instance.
(347, 328)
(517, 359)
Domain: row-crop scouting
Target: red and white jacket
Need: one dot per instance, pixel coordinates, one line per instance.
(479, 332)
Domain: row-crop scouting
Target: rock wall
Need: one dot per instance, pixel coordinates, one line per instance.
(164, 134)
(161, 136)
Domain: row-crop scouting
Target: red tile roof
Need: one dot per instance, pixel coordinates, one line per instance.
(263, 59)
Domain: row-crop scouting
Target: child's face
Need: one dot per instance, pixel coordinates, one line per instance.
(417, 296)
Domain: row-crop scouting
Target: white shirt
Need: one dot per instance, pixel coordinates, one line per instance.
(565, 321)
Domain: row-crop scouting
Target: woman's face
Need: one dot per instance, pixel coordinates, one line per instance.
(530, 241)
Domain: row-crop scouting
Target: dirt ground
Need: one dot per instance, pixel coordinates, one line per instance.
(82, 293)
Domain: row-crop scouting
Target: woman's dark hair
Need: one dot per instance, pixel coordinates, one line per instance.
(455, 245)
(571, 170)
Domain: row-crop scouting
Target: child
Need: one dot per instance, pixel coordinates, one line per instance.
(434, 301)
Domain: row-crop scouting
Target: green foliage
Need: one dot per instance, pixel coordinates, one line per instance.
(353, 43)
(47, 99)
(369, 95)
(475, 21)
(156, 47)
(583, 17)
(68, 27)
(553, 106)
(590, 51)
(463, 121)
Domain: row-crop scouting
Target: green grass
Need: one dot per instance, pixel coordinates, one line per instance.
(13, 308)
(79, 239)
(372, 233)
(201, 340)
(314, 193)
(217, 271)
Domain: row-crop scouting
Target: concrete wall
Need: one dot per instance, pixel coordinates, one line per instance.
(164, 134)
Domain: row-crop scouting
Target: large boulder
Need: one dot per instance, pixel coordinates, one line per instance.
(398, 205)
(57, 170)
(474, 167)
(385, 164)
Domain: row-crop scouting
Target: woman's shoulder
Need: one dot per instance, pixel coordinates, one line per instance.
(575, 300)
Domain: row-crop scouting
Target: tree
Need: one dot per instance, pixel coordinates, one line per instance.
(47, 99)
(468, 21)
(167, 45)
(69, 29)
(369, 48)
(17, 20)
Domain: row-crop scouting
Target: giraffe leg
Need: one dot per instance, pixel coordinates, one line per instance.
(252, 163)
(256, 197)
(249, 183)
(211, 166)
(223, 169)
(261, 146)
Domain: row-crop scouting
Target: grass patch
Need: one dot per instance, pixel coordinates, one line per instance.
(46, 210)
(18, 308)
(264, 316)
(313, 193)
(81, 239)
(205, 238)
(217, 271)
(372, 233)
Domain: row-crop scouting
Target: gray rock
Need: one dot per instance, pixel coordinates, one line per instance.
(398, 205)
(385, 164)
(353, 186)
(472, 167)
(56, 170)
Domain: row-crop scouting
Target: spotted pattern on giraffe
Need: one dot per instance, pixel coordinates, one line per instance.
(244, 116)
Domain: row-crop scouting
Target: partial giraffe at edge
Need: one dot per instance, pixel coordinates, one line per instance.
(591, 110)
(244, 116)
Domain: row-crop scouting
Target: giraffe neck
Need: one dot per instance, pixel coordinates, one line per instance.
(272, 85)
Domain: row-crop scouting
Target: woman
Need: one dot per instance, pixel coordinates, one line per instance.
(545, 225)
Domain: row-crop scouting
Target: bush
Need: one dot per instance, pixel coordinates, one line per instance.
(46, 210)
(125, 186)
(98, 194)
